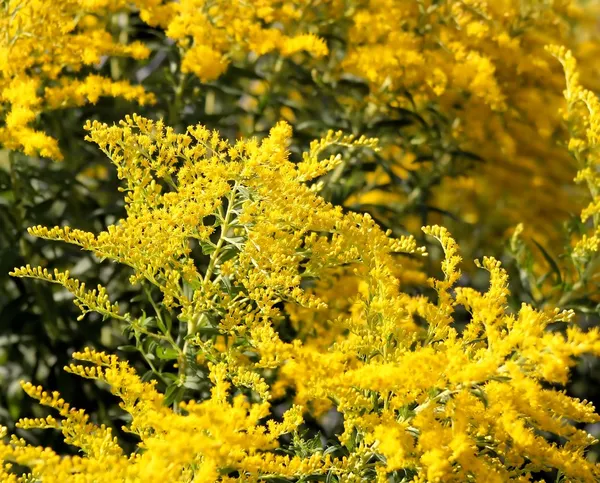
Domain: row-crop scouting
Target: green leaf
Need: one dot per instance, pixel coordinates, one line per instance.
(147, 376)
(166, 353)
(551, 262)
(207, 248)
(161, 325)
(171, 377)
(174, 393)
(127, 348)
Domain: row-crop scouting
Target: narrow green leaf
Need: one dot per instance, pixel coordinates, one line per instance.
(551, 262)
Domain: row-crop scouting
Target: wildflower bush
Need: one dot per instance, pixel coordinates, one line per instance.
(279, 292)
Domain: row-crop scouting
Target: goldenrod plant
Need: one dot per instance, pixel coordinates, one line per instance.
(227, 232)
(277, 296)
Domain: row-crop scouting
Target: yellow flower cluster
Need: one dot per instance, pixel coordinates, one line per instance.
(211, 33)
(176, 181)
(475, 72)
(583, 115)
(46, 49)
(402, 388)
(229, 231)
(478, 72)
(201, 442)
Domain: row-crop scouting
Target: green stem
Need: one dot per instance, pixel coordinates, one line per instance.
(154, 370)
(19, 212)
(212, 264)
(224, 229)
(176, 106)
(154, 306)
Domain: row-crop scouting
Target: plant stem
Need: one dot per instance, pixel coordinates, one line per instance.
(176, 106)
(212, 264)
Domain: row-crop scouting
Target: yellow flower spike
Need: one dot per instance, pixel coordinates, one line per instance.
(253, 381)
(95, 300)
(451, 257)
(440, 316)
(312, 167)
(94, 440)
(49, 422)
(309, 43)
(583, 115)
